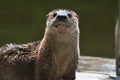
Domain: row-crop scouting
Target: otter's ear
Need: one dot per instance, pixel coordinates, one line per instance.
(77, 16)
(47, 15)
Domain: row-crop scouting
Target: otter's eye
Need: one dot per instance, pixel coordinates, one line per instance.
(54, 15)
(69, 15)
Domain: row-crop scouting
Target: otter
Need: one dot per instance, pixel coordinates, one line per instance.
(55, 57)
(59, 49)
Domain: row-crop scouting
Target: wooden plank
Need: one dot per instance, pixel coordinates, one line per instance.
(117, 41)
(96, 68)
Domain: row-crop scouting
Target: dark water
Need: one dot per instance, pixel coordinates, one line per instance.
(23, 21)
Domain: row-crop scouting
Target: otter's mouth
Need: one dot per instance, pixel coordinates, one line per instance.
(61, 24)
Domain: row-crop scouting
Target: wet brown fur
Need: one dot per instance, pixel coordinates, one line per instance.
(17, 62)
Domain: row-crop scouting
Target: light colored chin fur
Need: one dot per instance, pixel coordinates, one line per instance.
(62, 29)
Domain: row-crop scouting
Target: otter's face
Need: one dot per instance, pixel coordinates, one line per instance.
(62, 20)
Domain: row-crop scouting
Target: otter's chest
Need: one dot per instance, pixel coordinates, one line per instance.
(63, 56)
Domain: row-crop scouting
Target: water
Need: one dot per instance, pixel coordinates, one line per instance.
(24, 21)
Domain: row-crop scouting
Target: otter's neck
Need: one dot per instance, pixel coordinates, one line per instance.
(57, 51)
(57, 44)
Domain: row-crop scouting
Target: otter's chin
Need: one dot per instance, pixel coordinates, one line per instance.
(61, 24)
(61, 29)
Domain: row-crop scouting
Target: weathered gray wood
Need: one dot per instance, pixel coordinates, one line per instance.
(117, 41)
(96, 68)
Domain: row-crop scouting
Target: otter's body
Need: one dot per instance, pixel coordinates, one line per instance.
(54, 58)
(17, 62)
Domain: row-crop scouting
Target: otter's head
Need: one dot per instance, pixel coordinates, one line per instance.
(62, 21)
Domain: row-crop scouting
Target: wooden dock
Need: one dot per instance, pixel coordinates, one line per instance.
(96, 68)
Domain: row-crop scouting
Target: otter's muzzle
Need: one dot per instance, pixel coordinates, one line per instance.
(61, 17)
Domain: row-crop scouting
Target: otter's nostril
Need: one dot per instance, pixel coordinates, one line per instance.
(55, 14)
(62, 17)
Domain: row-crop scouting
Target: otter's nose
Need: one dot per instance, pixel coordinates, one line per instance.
(62, 17)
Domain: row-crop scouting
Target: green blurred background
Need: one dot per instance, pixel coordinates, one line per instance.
(23, 21)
